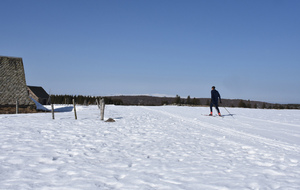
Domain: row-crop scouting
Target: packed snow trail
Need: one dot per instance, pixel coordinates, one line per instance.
(224, 128)
(166, 147)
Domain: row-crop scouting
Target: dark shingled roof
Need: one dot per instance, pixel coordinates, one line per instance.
(39, 91)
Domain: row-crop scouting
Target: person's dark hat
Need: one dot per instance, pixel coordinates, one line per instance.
(213, 87)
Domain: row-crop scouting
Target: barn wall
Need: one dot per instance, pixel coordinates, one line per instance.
(12, 83)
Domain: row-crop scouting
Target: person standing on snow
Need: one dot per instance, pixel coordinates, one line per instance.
(214, 100)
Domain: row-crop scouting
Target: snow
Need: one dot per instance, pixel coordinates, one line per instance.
(163, 147)
(38, 105)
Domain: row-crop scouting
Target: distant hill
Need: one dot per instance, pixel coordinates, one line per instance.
(156, 101)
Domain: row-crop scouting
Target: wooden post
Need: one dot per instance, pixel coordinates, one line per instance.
(102, 106)
(52, 110)
(17, 107)
(74, 109)
(98, 103)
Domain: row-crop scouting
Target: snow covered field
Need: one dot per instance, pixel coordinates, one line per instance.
(166, 147)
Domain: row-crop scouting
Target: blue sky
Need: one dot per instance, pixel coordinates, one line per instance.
(247, 49)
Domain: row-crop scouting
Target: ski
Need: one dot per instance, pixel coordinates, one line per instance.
(212, 115)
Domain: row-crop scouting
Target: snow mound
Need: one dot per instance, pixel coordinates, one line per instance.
(39, 106)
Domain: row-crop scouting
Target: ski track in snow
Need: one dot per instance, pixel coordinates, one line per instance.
(239, 134)
(165, 147)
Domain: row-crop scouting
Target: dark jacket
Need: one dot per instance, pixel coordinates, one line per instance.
(214, 96)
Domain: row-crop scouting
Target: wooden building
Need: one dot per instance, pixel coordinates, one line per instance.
(13, 86)
(39, 94)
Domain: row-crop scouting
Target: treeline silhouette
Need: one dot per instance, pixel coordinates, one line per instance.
(157, 101)
(83, 100)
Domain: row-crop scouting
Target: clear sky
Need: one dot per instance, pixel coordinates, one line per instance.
(248, 49)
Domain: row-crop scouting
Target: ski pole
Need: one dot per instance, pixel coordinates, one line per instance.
(228, 112)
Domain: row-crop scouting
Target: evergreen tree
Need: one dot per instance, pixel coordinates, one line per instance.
(177, 100)
(188, 100)
(196, 102)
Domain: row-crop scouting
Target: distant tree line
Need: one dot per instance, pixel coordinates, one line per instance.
(247, 104)
(149, 100)
(83, 100)
(181, 101)
(241, 104)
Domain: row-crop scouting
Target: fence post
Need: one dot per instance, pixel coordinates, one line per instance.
(74, 105)
(52, 110)
(17, 106)
(102, 105)
(98, 103)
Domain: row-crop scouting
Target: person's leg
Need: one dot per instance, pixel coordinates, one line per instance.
(211, 105)
(217, 108)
